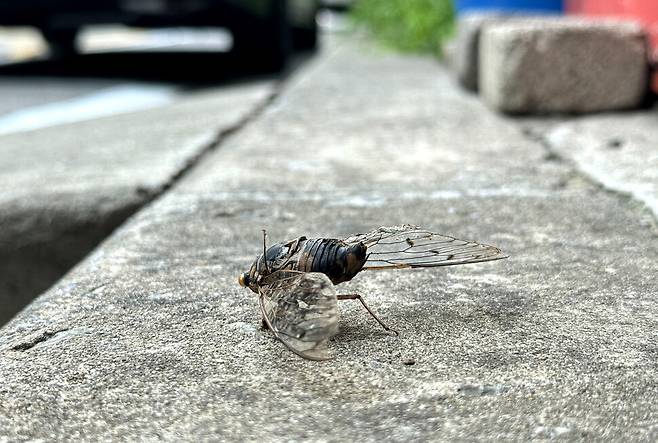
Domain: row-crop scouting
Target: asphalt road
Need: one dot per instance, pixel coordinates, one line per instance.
(120, 70)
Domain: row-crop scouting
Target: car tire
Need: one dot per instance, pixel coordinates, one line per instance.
(62, 42)
(266, 43)
(305, 39)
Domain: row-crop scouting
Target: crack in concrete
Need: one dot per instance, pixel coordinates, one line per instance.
(552, 155)
(227, 132)
(89, 235)
(44, 336)
(218, 140)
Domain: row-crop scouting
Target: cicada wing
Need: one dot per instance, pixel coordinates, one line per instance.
(301, 310)
(376, 235)
(409, 246)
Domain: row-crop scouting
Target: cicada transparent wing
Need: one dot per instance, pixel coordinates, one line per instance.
(301, 310)
(409, 246)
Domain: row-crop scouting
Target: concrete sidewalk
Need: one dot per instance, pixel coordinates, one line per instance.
(616, 150)
(150, 337)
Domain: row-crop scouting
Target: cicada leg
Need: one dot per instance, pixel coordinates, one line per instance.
(363, 302)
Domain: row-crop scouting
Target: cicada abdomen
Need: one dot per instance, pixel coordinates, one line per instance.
(334, 258)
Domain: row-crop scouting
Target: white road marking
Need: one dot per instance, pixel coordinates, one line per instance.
(118, 99)
(123, 39)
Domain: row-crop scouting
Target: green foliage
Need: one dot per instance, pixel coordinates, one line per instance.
(409, 25)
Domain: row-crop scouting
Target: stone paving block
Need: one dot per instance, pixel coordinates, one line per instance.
(464, 53)
(563, 65)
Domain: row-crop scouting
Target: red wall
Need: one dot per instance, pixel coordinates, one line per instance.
(643, 11)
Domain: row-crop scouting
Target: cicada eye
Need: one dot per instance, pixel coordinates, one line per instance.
(244, 279)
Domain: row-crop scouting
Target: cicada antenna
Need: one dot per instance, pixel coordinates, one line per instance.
(267, 266)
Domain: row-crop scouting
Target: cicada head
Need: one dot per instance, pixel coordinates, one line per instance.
(249, 280)
(244, 279)
(263, 265)
(256, 272)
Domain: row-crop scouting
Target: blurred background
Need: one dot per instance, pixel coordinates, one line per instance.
(136, 54)
(211, 40)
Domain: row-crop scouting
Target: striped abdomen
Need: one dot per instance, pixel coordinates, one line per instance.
(338, 260)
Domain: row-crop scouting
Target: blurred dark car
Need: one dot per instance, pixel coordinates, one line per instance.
(267, 29)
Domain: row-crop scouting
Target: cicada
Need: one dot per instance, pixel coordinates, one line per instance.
(295, 280)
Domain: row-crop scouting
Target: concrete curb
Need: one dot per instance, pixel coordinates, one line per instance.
(60, 199)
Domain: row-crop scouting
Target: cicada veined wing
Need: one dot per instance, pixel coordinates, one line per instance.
(408, 246)
(301, 310)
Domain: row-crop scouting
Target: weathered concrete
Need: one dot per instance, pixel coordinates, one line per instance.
(617, 150)
(464, 60)
(65, 188)
(562, 65)
(150, 337)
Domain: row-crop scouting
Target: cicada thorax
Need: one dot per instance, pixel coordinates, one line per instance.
(279, 256)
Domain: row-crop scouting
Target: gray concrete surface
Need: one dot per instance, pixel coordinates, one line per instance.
(65, 188)
(151, 338)
(465, 49)
(562, 65)
(19, 93)
(616, 150)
